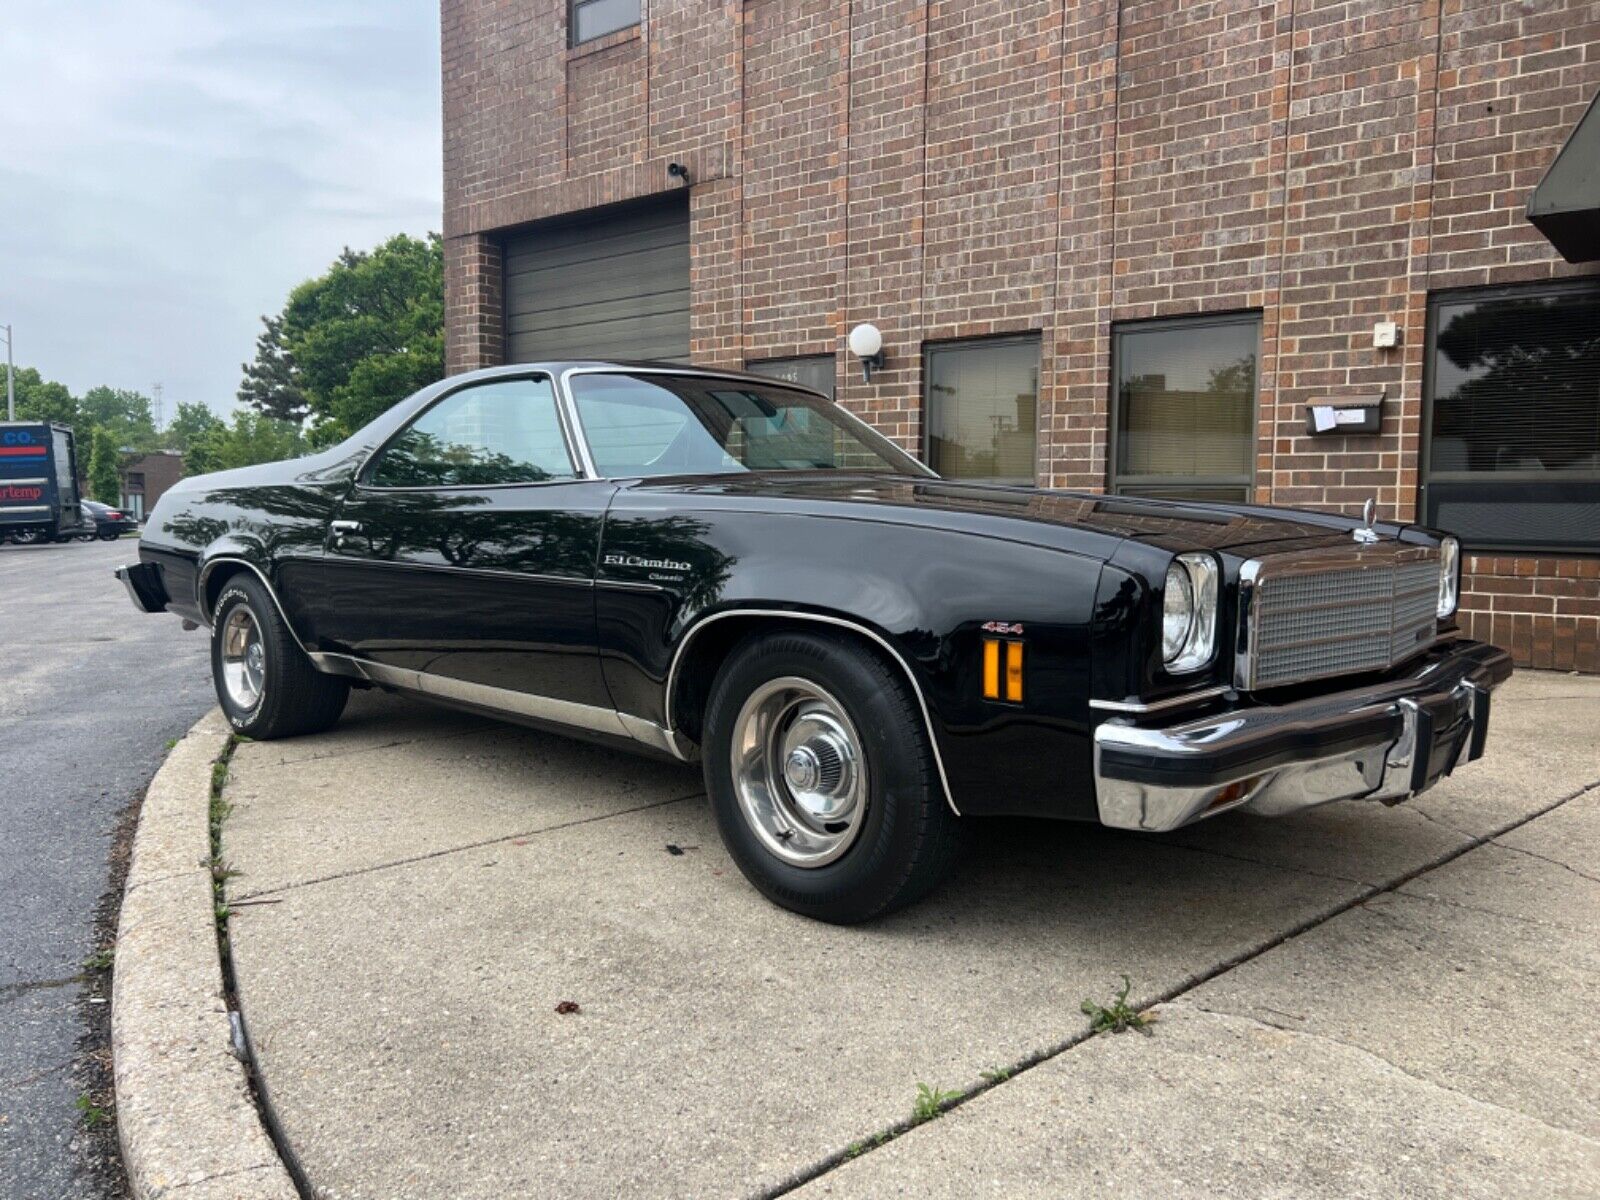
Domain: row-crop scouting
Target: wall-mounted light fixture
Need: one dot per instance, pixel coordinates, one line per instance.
(678, 171)
(866, 343)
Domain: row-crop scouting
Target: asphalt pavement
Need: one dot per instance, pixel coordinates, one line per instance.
(91, 691)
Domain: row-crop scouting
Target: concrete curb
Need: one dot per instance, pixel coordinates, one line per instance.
(188, 1126)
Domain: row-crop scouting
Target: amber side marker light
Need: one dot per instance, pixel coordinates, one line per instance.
(995, 687)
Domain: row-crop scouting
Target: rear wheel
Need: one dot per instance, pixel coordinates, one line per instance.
(822, 778)
(265, 684)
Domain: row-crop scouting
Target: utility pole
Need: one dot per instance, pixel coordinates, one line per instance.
(11, 387)
(156, 388)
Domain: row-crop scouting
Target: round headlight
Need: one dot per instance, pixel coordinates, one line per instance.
(1449, 576)
(1177, 612)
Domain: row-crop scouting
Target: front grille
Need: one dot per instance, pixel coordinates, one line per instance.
(1334, 612)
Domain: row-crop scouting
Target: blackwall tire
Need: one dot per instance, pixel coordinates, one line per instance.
(265, 684)
(822, 779)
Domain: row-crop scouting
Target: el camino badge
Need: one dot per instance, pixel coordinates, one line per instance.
(1002, 627)
(654, 564)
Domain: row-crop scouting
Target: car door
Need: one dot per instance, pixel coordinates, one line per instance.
(465, 553)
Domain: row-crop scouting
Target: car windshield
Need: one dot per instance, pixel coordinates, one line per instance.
(649, 425)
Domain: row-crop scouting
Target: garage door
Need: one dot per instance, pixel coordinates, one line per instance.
(611, 285)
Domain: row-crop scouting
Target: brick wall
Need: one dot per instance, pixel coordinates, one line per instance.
(952, 168)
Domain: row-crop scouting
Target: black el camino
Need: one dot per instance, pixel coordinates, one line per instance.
(713, 565)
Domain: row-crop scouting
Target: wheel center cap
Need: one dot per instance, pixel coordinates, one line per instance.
(802, 769)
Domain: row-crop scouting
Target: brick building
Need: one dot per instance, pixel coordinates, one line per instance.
(1113, 247)
(146, 478)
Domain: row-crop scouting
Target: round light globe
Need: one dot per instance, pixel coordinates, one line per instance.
(865, 341)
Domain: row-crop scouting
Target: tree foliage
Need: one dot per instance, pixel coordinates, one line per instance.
(249, 439)
(124, 413)
(354, 341)
(105, 484)
(190, 423)
(40, 399)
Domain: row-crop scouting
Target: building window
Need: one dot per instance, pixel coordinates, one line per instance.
(814, 371)
(1511, 457)
(590, 19)
(982, 409)
(1184, 410)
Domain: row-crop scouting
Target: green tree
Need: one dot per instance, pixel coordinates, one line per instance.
(105, 484)
(124, 413)
(354, 341)
(40, 399)
(191, 422)
(251, 438)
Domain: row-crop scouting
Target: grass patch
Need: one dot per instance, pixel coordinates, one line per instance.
(996, 1074)
(92, 1114)
(1117, 1016)
(217, 865)
(100, 960)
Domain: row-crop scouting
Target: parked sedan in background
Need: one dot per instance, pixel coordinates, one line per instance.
(862, 655)
(109, 523)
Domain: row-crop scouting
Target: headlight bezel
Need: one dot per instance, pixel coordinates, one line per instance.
(1449, 599)
(1198, 648)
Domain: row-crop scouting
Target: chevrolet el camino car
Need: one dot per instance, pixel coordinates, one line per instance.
(717, 566)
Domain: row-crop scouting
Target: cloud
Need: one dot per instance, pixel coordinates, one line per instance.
(169, 169)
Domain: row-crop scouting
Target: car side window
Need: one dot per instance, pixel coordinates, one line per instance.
(493, 433)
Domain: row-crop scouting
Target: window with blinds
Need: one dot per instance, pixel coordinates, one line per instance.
(1512, 454)
(1184, 414)
(982, 409)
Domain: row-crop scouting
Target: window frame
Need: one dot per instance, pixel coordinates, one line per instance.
(1425, 474)
(573, 41)
(1033, 337)
(1115, 480)
(579, 475)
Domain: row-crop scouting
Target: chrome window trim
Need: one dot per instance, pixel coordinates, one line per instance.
(211, 565)
(785, 614)
(361, 484)
(701, 373)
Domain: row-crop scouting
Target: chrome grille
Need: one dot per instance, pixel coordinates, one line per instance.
(1334, 612)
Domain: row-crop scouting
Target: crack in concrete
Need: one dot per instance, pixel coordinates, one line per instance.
(355, 751)
(869, 1143)
(189, 1183)
(1292, 868)
(1478, 908)
(1554, 862)
(1368, 1052)
(494, 841)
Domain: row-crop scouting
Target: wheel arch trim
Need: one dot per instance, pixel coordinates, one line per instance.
(771, 614)
(205, 573)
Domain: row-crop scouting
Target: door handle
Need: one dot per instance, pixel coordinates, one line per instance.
(338, 530)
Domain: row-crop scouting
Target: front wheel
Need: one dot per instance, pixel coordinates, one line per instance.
(265, 684)
(822, 778)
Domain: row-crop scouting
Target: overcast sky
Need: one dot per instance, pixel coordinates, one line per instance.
(169, 169)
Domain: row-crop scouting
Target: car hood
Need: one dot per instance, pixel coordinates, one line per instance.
(1005, 510)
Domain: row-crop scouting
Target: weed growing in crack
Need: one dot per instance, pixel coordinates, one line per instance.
(996, 1074)
(1117, 1016)
(100, 960)
(93, 1115)
(930, 1103)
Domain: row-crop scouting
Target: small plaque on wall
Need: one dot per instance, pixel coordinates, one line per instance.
(1339, 417)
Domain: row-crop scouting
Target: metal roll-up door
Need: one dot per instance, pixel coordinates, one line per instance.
(605, 285)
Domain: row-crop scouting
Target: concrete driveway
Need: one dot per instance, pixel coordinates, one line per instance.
(1358, 1001)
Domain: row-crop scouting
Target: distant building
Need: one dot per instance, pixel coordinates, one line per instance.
(146, 478)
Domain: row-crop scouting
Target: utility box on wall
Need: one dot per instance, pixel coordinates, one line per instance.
(1338, 417)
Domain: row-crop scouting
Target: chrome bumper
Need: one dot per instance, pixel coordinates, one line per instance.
(144, 585)
(1388, 742)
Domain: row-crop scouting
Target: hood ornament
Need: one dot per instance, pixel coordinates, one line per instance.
(1369, 511)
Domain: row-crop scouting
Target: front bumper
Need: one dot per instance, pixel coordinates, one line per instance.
(1388, 741)
(145, 589)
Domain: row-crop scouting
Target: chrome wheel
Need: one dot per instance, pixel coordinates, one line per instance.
(244, 671)
(799, 772)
